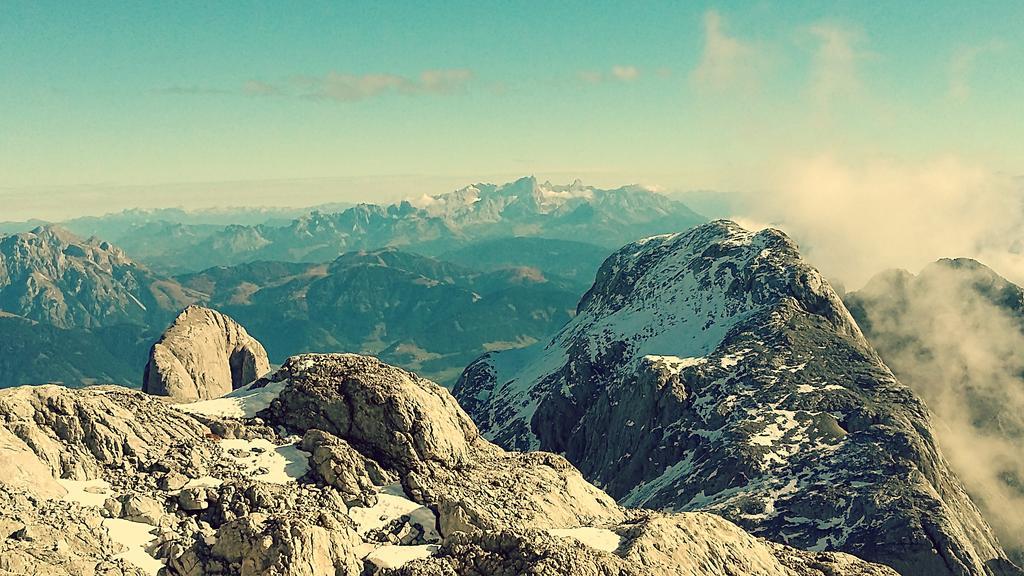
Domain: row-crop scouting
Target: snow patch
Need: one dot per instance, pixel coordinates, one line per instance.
(674, 364)
(598, 538)
(391, 556)
(86, 492)
(245, 402)
(393, 503)
(282, 464)
(136, 537)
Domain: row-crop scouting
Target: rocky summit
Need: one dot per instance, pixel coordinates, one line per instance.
(715, 370)
(203, 354)
(334, 464)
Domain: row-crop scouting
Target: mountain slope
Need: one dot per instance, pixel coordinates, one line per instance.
(574, 261)
(715, 370)
(52, 276)
(35, 353)
(417, 312)
(955, 334)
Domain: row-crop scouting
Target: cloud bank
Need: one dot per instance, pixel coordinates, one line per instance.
(854, 219)
(955, 334)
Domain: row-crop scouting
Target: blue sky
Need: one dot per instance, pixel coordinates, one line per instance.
(103, 104)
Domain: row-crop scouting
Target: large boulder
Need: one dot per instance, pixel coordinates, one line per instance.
(203, 354)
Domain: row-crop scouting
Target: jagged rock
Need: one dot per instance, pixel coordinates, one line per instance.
(339, 465)
(21, 468)
(257, 545)
(456, 494)
(141, 508)
(172, 481)
(54, 538)
(193, 499)
(512, 490)
(716, 370)
(682, 545)
(79, 433)
(203, 354)
(405, 421)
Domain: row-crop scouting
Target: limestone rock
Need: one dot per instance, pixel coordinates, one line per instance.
(55, 538)
(77, 434)
(339, 465)
(202, 355)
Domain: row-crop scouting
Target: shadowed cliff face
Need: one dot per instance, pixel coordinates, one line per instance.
(715, 370)
(955, 334)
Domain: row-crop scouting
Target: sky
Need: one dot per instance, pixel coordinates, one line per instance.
(105, 105)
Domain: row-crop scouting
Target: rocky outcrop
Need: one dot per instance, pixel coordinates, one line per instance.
(715, 370)
(83, 434)
(334, 464)
(679, 545)
(202, 355)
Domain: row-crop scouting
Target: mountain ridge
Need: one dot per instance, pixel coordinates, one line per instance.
(692, 378)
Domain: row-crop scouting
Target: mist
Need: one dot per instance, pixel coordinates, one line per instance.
(854, 219)
(955, 334)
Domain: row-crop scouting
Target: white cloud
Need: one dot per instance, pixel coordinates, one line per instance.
(855, 219)
(625, 73)
(725, 59)
(342, 87)
(837, 58)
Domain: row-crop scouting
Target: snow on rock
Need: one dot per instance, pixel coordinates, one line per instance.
(86, 492)
(714, 369)
(393, 503)
(390, 556)
(136, 537)
(267, 461)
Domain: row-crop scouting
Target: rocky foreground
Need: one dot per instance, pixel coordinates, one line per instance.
(334, 464)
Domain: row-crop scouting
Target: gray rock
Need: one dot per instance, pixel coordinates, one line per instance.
(203, 354)
(680, 545)
(54, 538)
(173, 481)
(79, 434)
(337, 464)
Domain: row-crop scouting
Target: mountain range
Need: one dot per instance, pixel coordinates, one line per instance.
(174, 241)
(710, 405)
